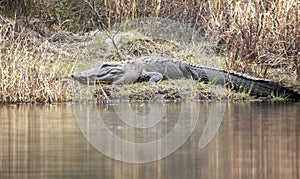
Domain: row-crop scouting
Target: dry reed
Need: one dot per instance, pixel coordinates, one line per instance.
(27, 70)
(253, 35)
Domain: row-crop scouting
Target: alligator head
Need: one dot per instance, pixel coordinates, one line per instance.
(107, 72)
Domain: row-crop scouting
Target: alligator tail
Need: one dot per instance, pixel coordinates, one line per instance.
(240, 82)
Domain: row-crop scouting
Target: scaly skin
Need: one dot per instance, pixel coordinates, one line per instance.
(154, 69)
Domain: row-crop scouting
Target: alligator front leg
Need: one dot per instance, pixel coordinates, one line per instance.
(129, 77)
(153, 77)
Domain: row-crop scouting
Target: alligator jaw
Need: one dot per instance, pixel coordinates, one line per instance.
(105, 73)
(83, 78)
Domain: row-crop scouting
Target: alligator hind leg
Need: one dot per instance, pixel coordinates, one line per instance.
(187, 71)
(153, 77)
(194, 74)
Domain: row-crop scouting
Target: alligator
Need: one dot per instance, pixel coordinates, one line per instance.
(156, 68)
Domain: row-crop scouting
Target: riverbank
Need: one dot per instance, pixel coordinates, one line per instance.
(36, 69)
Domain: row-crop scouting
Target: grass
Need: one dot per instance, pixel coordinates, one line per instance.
(28, 71)
(259, 38)
(248, 33)
(167, 90)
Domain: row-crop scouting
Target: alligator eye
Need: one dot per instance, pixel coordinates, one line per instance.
(113, 72)
(105, 65)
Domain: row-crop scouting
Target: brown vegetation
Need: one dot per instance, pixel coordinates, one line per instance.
(254, 37)
(27, 68)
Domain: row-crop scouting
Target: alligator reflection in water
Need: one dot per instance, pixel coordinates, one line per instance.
(255, 140)
(90, 121)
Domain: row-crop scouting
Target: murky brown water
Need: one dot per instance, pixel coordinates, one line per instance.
(255, 140)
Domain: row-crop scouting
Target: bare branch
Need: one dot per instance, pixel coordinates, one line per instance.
(102, 28)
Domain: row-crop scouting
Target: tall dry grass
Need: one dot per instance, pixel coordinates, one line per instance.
(254, 36)
(258, 34)
(27, 70)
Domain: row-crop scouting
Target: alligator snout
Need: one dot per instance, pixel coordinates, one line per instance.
(79, 76)
(76, 75)
(82, 77)
(105, 73)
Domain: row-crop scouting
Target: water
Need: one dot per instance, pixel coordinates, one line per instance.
(254, 140)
